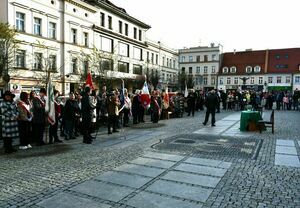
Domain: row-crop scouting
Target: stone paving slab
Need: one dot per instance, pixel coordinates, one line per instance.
(141, 170)
(202, 161)
(180, 190)
(225, 165)
(283, 142)
(201, 169)
(150, 200)
(120, 178)
(66, 200)
(206, 181)
(153, 162)
(286, 150)
(287, 160)
(103, 190)
(162, 156)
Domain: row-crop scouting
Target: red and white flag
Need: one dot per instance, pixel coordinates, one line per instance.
(145, 96)
(166, 99)
(89, 81)
(50, 106)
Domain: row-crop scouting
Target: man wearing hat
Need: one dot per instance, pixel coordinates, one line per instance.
(10, 124)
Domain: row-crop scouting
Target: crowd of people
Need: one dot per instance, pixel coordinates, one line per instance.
(82, 112)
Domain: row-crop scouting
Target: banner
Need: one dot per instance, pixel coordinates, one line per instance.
(145, 96)
(50, 106)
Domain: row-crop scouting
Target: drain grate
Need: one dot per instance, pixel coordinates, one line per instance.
(211, 145)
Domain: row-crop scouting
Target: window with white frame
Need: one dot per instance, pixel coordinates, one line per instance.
(52, 62)
(221, 81)
(156, 59)
(205, 80)
(233, 69)
(20, 21)
(257, 69)
(74, 35)
(106, 44)
(102, 19)
(297, 79)
(123, 67)
(288, 79)
(225, 70)
(190, 70)
(213, 81)
(110, 23)
(123, 49)
(52, 30)
(236, 80)
(213, 57)
(260, 80)
(126, 29)
(251, 80)
(20, 58)
(182, 58)
(198, 58)
(228, 80)
(37, 61)
(205, 69)
(37, 26)
(137, 53)
(198, 70)
(213, 69)
(190, 58)
(278, 79)
(248, 69)
(86, 39)
(270, 80)
(74, 65)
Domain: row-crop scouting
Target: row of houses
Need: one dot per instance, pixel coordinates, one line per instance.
(68, 38)
(276, 69)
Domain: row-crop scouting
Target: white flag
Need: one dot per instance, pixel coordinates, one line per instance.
(186, 93)
(50, 106)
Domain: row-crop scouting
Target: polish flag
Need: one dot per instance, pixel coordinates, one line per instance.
(166, 99)
(145, 95)
(89, 81)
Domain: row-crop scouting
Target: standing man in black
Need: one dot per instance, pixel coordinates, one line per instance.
(87, 108)
(211, 105)
(191, 101)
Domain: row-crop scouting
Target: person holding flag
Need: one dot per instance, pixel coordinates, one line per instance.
(165, 103)
(53, 137)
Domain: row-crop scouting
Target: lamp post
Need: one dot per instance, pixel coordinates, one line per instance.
(244, 79)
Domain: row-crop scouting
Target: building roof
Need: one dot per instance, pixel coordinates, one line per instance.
(241, 60)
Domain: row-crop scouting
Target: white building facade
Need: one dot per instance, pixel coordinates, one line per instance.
(72, 37)
(202, 64)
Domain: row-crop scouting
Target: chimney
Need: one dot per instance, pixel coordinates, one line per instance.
(212, 45)
(266, 61)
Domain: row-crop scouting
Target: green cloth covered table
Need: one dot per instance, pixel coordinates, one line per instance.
(247, 117)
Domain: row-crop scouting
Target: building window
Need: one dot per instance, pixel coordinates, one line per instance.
(163, 61)
(233, 69)
(213, 81)
(120, 27)
(190, 58)
(182, 58)
(106, 44)
(205, 69)
(278, 80)
(213, 69)
(74, 35)
(167, 62)
(248, 69)
(213, 57)
(137, 69)
(20, 21)
(297, 79)
(236, 80)
(148, 59)
(37, 26)
(270, 80)
(106, 64)
(20, 58)
(198, 70)
(260, 80)
(102, 19)
(156, 60)
(74, 65)
(257, 69)
(205, 80)
(52, 30)
(134, 33)
(86, 39)
(85, 66)
(228, 80)
(252, 80)
(225, 70)
(140, 35)
(37, 61)
(286, 56)
(198, 58)
(277, 57)
(52, 63)
(205, 57)
(183, 70)
(190, 70)
(221, 81)
(152, 58)
(123, 67)
(123, 49)
(137, 53)
(110, 23)
(174, 64)
(288, 79)
(126, 29)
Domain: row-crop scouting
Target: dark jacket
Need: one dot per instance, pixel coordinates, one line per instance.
(212, 101)
(70, 110)
(87, 106)
(38, 110)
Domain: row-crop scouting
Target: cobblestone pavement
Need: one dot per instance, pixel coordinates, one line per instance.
(43, 176)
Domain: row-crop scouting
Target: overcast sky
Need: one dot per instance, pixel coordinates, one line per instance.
(236, 24)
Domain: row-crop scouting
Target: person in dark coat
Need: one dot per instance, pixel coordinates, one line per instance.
(10, 128)
(211, 105)
(70, 115)
(191, 101)
(39, 117)
(87, 109)
(53, 137)
(135, 106)
(155, 108)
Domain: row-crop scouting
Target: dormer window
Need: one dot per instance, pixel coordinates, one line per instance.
(233, 69)
(225, 70)
(248, 69)
(257, 69)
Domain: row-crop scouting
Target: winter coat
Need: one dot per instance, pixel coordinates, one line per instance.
(9, 120)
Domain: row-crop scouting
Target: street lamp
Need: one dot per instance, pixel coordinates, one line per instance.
(244, 79)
